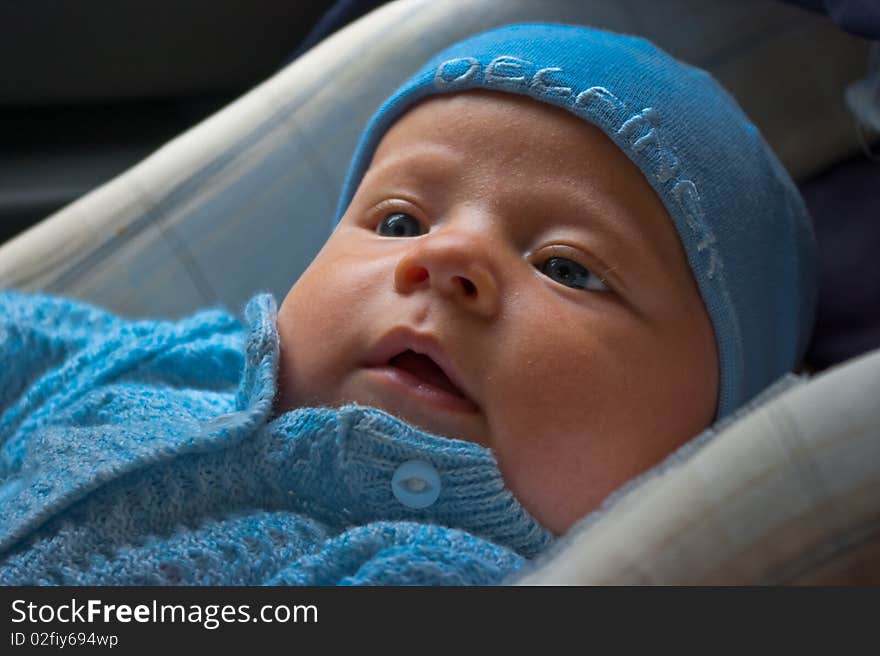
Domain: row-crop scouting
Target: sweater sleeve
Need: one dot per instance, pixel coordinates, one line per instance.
(37, 334)
(87, 397)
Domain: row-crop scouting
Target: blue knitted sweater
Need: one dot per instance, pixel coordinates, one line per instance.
(145, 453)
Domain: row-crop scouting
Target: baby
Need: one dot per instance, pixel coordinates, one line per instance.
(560, 255)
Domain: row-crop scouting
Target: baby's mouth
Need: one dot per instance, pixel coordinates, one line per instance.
(414, 369)
(423, 368)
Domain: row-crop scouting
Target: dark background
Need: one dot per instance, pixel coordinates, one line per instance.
(90, 87)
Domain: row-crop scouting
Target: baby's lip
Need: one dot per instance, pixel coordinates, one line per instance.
(402, 339)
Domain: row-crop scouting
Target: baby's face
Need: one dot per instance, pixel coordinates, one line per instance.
(505, 275)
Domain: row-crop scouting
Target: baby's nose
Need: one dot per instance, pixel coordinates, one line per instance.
(455, 264)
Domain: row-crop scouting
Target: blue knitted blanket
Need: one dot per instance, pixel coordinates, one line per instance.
(146, 453)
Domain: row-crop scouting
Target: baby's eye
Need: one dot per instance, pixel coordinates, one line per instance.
(571, 274)
(399, 225)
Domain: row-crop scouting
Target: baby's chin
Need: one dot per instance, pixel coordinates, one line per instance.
(386, 388)
(452, 424)
(455, 428)
(455, 421)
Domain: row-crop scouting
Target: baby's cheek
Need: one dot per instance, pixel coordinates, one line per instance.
(305, 328)
(290, 390)
(562, 425)
(551, 471)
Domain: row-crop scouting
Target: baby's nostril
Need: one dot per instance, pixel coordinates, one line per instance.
(417, 274)
(468, 287)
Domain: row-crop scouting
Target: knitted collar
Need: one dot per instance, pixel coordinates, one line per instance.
(345, 473)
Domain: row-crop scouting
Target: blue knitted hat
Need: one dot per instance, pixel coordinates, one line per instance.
(744, 227)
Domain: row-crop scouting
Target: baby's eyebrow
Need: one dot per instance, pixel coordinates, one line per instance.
(423, 159)
(578, 208)
(611, 231)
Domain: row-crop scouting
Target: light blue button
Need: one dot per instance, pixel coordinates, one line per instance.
(416, 484)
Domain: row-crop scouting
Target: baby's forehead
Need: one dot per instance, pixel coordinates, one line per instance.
(479, 115)
(515, 135)
(529, 150)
